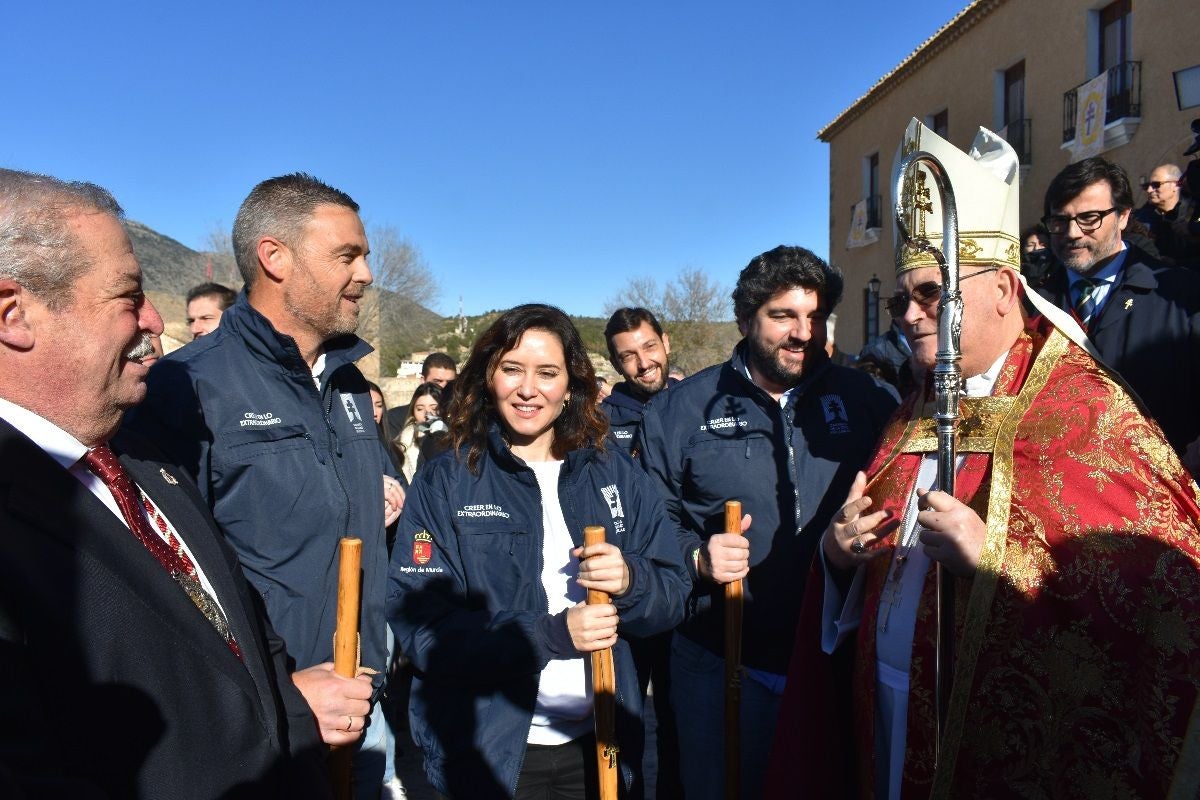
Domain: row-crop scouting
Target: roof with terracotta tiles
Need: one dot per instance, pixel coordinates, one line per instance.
(939, 41)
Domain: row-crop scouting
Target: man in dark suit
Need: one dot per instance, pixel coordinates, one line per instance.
(134, 659)
(1142, 316)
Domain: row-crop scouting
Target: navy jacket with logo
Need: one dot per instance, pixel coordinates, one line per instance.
(717, 436)
(467, 604)
(625, 414)
(287, 469)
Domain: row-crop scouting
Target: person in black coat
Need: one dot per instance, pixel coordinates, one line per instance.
(135, 660)
(1142, 316)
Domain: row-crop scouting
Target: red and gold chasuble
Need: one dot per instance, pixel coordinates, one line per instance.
(1078, 657)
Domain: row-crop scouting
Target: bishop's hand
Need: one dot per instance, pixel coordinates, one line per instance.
(953, 533)
(849, 539)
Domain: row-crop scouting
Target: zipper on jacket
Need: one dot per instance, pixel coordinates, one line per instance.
(791, 451)
(335, 450)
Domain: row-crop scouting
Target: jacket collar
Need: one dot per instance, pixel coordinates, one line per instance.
(247, 323)
(621, 395)
(1136, 274)
(739, 365)
(504, 456)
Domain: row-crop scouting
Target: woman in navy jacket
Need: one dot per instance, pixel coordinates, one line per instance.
(489, 572)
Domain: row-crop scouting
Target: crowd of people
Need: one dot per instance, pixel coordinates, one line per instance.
(194, 659)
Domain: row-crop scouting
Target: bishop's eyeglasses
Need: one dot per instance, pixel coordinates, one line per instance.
(923, 294)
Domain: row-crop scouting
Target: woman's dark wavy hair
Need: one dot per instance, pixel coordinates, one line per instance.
(472, 409)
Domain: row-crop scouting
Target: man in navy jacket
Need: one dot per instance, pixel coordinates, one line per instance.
(640, 350)
(1143, 316)
(274, 421)
(784, 431)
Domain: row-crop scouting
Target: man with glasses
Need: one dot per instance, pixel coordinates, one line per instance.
(1072, 540)
(1171, 217)
(1142, 316)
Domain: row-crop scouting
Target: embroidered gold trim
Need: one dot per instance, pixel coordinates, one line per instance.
(991, 560)
(978, 425)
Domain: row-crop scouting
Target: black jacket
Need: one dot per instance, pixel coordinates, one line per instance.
(717, 436)
(1176, 235)
(112, 683)
(1149, 331)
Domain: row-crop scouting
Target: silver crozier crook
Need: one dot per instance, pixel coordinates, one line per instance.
(947, 378)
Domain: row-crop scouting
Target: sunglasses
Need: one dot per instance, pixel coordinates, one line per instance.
(1156, 185)
(924, 294)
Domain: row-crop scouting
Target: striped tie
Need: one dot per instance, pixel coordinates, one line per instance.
(1085, 306)
(166, 549)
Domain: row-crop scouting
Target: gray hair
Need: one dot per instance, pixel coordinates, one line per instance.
(279, 207)
(38, 250)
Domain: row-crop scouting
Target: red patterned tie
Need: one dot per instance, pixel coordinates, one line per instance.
(169, 551)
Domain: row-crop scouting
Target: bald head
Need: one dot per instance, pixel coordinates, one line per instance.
(1162, 187)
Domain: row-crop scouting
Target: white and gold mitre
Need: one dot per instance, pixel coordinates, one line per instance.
(984, 182)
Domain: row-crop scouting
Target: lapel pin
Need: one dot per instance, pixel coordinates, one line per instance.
(1129, 304)
(168, 477)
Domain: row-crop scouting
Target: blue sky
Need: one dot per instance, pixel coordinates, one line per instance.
(531, 150)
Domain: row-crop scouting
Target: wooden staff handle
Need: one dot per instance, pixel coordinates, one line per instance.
(733, 666)
(604, 687)
(345, 637)
(345, 651)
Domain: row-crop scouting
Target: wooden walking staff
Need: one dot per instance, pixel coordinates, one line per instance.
(345, 651)
(604, 688)
(947, 384)
(733, 667)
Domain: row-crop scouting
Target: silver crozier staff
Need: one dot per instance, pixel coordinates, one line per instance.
(947, 383)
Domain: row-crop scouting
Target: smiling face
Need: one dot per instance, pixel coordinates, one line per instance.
(786, 338)
(529, 388)
(97, 350)
(642, 357)
(1086, 253)
(329, 273)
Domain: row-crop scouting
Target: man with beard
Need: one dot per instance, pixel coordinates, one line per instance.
(639, 350)
(783, 430)
(1143, 317)
(274, 422)
(136, 659)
